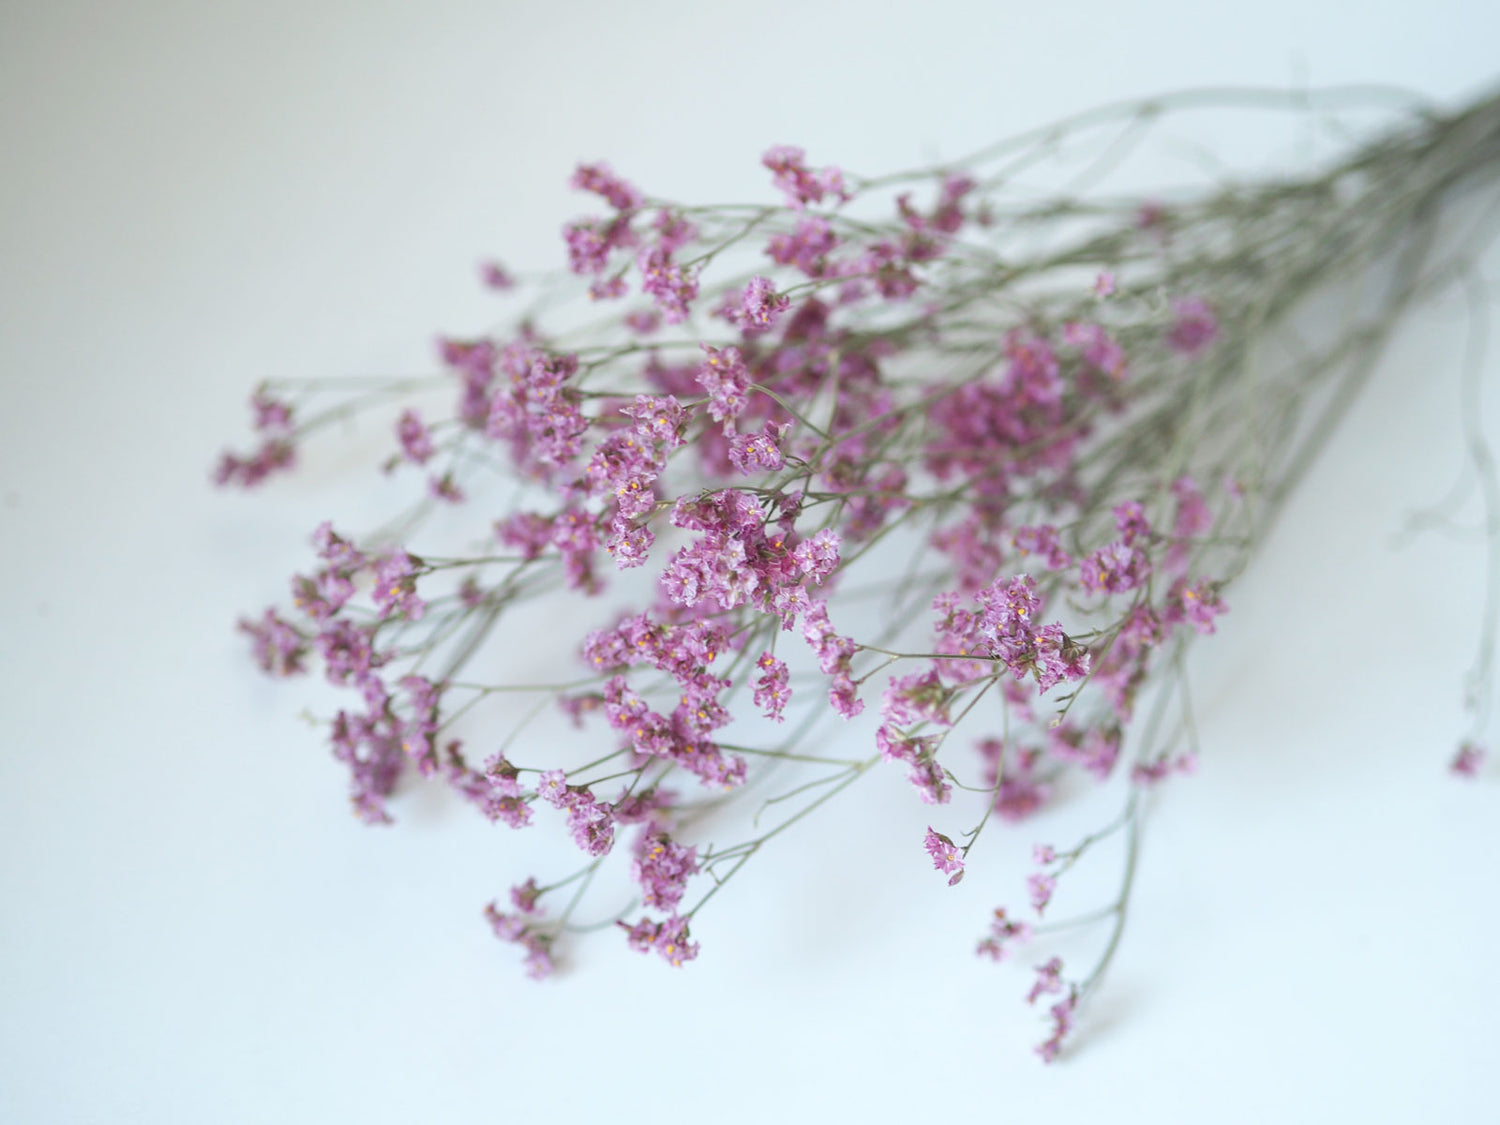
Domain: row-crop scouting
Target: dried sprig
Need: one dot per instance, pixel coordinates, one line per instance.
(1066, 409)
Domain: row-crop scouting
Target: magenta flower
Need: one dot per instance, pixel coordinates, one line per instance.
(772, 692)
(1469, 760)
(799, 182)
(1040, 886)
(599, 179)
(758, 453)
(495, 276)
(415, 438)
(662, 868)
(1004, 933)
(760, 305)
(272, 415)
(1116, 568)
(1194, 326)
(395, 590)
(807, 247)
(1048, 980)
(279, 648)
(945, 857)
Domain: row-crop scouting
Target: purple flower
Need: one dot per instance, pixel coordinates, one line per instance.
(552, 787)
(662, 868)
(495, 276)
(521, 930)
(590, 824)
(336, 551)
(724, 377)
(1062, 1023)
(800, 183)
(643, 322)
(757, 453)
(274, 455)
(1116, 568)
(807, 247)
(1042, 540)
(395, 590)
(668, 938)
(945, 857)
(1197, 604)
(1003, 933)
(278, 647)
(527, 532)
(348, 651)
(416, 440)
(760, 305)
(1104, 284)
(671, 286)
(591, 242)
(1469, 760)
(1048, 980)
(673, 944)
(771, 687)
(1194, 326)
(272, 415)
(1040, 887)
(599, 179)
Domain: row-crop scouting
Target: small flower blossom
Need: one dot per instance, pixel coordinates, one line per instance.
(771, 687)
(524, 895)
(662, 868)
(724, 377)
(599, 179)
(669, 939)
(552, 787)
(945, 857)
(279, 648)
(1062, 1023)
(1048, 980)
(1469, 760)
(496, 277)
(1040, 887)
(272, 415)
(1116, 568)
(415, 438)
(521, 930)
(1197, 604)
(807, 247)
(760, 305)
(395, 590)
(800, 183)
(671, 286)
(758, 453)
(274, 455)
(1194, 326)
(1104, 284)
(1004, 933)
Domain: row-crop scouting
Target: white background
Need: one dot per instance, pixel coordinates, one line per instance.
(196, 196)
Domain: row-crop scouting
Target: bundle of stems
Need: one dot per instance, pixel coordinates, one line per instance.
(1040, 434)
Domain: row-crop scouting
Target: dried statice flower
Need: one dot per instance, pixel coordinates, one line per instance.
(1045, 400)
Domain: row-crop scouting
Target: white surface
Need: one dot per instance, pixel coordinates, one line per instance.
(192, 929)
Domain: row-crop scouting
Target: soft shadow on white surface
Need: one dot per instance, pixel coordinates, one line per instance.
(198, 196)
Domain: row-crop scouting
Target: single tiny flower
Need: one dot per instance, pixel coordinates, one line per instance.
(945, 857)
(1040, 887)
(495, 276)
(1469, 760)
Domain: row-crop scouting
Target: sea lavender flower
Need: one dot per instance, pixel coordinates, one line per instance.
(945, 857)
(884, 385)
(1469, 760)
